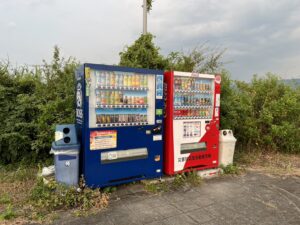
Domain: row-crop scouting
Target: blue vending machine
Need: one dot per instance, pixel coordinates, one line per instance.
(119, 117)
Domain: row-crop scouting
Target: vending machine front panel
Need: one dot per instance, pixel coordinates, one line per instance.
(192, 122)
(123, 125)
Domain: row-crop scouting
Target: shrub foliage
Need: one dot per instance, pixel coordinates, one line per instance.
(264, 113)
(32, 102)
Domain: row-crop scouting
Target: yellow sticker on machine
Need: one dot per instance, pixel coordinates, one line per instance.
(87, 72)
(106, 139)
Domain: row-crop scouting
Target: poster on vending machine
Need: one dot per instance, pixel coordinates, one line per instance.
(106, 139)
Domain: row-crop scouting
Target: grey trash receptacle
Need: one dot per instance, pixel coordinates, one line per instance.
(66, 154)
(66, 160)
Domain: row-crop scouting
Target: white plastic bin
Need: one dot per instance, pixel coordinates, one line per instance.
(227, 146)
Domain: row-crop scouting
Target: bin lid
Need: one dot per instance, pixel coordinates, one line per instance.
(226, 136)
(72, 147)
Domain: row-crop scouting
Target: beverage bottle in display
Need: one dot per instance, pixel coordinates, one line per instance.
(117, 98)
(97, 79)
(113, 79)
(110, 79)
(142, 100)
(146, 81)
(102, 98)
(103, 79)
(117, 80)
(125, 101)
(125, 80)
(137, 81)
(136, 100)
(97, 97)
(191, 84)
(176, 83)
(106, 78)
(129, 80)
(112, 98)
(121, 80)
(121, 97)
(132, 80)
(130, 100)
(145, 100)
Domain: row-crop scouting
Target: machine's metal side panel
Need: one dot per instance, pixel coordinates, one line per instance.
(169, 138)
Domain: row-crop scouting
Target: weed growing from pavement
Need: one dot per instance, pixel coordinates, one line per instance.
(178, 181)
(231, 169)
(157, 187)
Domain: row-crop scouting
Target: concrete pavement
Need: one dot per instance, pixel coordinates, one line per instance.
(253, 198)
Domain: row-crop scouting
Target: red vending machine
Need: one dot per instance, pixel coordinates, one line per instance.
(192, 121)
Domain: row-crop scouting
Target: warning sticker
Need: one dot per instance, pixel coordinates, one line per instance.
(103, 139)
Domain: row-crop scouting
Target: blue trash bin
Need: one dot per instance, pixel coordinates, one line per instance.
(66, 160)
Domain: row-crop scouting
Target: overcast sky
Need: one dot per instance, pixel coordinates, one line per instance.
(259, 35)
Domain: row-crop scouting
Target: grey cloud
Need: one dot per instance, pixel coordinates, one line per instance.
(259, 35)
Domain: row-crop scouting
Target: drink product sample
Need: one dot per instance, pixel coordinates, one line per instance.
(129, 81)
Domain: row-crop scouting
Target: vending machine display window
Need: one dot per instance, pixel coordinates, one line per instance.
(121, 99)
(193, 98)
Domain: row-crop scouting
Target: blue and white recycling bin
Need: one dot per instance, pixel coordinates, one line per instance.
(66, 155)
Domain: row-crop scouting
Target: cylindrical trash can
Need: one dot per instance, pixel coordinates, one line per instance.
(66, 160)
(227, 146)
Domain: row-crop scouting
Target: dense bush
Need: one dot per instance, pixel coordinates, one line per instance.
(264, 114)
(32, 101)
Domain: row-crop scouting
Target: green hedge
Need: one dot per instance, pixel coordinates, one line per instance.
(32, 102)
(263, 114)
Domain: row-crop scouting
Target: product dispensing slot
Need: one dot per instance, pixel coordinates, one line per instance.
(124, 155)
(193, 147)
